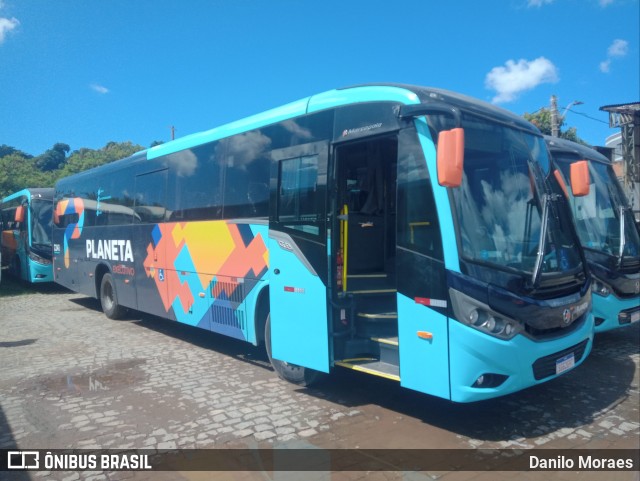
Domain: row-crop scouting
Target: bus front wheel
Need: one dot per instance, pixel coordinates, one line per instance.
(302, 376)
(109, 298)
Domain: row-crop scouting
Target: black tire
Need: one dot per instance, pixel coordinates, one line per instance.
(109, 299)
(302, 376)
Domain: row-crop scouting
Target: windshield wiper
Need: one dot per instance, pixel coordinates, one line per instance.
(623, 241)
(542, 242)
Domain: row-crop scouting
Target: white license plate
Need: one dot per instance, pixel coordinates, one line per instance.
(564, 363)
(635, 316)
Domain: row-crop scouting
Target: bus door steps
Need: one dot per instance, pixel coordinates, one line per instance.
(376, 316)
(369, 284)
(383, 349)
(372, 366)
(379, 316)
(389, 353)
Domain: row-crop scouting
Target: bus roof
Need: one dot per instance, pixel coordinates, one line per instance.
(556, 144)
(382, 92)
(404, 94)
(43, 192)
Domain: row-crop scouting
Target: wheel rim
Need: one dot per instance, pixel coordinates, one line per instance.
(107, 295)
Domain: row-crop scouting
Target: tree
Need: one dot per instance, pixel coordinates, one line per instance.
(53, 158)
(542, 120)
(8, 150)
(85, 159)
(18, 172)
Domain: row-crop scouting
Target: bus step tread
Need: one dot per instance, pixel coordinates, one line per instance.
(367, 276)
(390, 341)
(373, 367)
(369, 283)
(378, 316)
(372, 291)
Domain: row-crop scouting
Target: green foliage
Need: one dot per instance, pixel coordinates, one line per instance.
(8, 150)
(542, 120)
(53, 158)
(19, 170)
(85, 159)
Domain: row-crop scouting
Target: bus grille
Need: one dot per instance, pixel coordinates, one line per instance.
(228, 306)
(546, 366)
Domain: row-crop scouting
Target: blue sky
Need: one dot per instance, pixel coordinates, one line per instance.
(86, 72)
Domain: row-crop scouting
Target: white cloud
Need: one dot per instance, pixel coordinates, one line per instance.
(517, 77)
(539, 3)
(605, 66)
(604, 3)
(618, 49)
(99, 88)
(6, 25)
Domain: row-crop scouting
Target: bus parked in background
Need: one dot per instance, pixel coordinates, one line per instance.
(26, 220)
(608, 234)
(401, 231)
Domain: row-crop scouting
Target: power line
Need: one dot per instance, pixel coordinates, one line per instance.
(589, 117)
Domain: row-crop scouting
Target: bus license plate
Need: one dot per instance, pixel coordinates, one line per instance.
(564, 363)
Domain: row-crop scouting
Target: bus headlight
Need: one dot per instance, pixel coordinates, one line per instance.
(38, 259)
(600, 288)
(480, 316)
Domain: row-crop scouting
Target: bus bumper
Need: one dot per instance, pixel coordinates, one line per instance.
(611, 312)
(40, 272)
(510, 365)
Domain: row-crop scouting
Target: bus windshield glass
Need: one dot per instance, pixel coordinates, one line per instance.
(505, 202)
(598, 214)
(41, 223)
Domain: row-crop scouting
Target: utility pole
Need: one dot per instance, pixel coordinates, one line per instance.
(173, 133)
(555, 128)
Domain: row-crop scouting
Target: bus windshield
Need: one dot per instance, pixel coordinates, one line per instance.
(41, 223)
(598, 215)
(505, 203)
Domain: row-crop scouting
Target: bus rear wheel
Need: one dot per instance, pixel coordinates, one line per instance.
(109, 299)
(302, 376)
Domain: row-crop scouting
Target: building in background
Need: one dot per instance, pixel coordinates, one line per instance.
(626, 145)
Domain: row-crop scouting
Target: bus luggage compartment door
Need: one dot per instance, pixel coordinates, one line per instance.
(298, 299)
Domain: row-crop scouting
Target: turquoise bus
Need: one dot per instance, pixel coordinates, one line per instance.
(26, 220)
(608, 234)
(400, 231)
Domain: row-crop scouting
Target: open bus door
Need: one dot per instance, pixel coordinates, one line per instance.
(298, 335)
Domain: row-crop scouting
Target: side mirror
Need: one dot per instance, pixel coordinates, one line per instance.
(450, 157)
(580, 178)
(19, 217)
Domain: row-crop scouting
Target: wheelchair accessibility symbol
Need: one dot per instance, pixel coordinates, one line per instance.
(161, 275)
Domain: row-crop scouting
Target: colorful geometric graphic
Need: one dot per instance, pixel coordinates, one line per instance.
(207, 268)
(73, 231)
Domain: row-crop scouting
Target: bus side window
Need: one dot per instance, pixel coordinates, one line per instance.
(417, 219)
(150, 198)
(298, 194)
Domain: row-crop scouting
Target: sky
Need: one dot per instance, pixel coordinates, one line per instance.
(87, 72)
